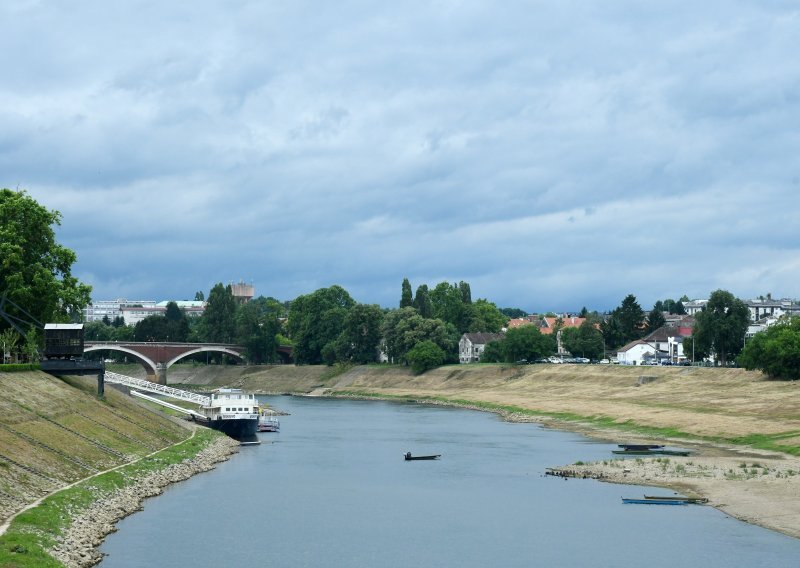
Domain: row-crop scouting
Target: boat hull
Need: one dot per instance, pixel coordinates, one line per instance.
(653, 501)
(416, 458)
(242, 429)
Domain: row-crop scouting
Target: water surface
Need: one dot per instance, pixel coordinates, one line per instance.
(332, 489)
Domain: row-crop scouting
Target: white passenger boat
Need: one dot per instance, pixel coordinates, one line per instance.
(231, 411)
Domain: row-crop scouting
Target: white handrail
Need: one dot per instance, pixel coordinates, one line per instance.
(144, 384)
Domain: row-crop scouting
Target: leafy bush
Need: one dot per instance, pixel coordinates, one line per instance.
(16, 368)
(425, 355)
(775, 351)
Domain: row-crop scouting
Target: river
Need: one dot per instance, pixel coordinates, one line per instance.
(332, 489)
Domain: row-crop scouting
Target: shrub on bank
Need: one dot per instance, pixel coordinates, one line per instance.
(19, 367)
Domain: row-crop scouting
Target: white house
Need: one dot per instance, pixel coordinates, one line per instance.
(471, 346)
(635, 352)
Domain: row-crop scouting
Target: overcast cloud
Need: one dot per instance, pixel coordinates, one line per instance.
(552, 154)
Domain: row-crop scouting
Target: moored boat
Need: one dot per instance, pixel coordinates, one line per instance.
(408, 457)
(691, 500)
(231, 411)
(630, 501)
(267, 422)
(654, 452)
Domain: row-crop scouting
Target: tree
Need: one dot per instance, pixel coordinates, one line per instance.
(775, 351)
(720, 327)
(35, 271)
(527, 342)
(448, 304)
(656, 319)
(406, 299)
(484, 316)
(199, 296)
(152, 328)
(361, 334)
(512, 313)
(422, 302)
(466, 294)
(403, 329)
(425, 355)
(631, 318)
(218, 322)
(317, 319)
(612, 332)
(493, 352)
(586, 340)
(257, 327)
(8, 341)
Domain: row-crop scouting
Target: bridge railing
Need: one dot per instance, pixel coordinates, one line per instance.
(145, 385)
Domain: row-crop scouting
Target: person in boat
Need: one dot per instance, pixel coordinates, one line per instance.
(408, 455)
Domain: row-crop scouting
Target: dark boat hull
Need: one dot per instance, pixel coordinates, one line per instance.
(415, 458)
(627, 501)
(242, 429)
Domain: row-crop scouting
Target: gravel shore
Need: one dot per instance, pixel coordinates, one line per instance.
(77, 548)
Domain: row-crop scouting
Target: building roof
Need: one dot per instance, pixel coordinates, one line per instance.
(633, 344)
(663, 333)
(549, 324)
(482, 338)
(63, 326)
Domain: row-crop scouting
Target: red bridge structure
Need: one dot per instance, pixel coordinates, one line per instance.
(157, 357)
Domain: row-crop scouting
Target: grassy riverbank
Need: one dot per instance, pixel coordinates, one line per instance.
(34, 534)
(61, 444)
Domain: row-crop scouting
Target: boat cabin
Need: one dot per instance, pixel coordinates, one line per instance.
(227, 404)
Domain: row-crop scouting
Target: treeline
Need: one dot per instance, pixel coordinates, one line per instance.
(328, 326)
(256, 325)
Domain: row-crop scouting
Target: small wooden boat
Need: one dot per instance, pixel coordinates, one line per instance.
(629, 501)
(408, 457)
(635, 447)
(691, 500)
(656, 452)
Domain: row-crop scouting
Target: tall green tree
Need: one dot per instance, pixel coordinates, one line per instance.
(316, 320)
(406, 297)
(656, 319)
(218, 322)
(36, 271)
(257, 328)
(484, 316)
(448, 305)
(631, 318)
(422, 301)
(720, 327)
(361, 334)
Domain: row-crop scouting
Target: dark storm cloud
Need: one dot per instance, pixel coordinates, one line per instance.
(554, 155)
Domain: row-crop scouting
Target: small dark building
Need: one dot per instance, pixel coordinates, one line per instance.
(63, 340)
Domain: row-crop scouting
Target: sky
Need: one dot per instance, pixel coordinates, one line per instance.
(553, 155)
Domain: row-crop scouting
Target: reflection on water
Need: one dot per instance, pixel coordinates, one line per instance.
(332, 489)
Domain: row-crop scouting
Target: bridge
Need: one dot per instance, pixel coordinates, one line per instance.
(157, 357)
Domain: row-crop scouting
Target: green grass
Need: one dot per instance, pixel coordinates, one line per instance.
(35, 531)
(761, 441)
